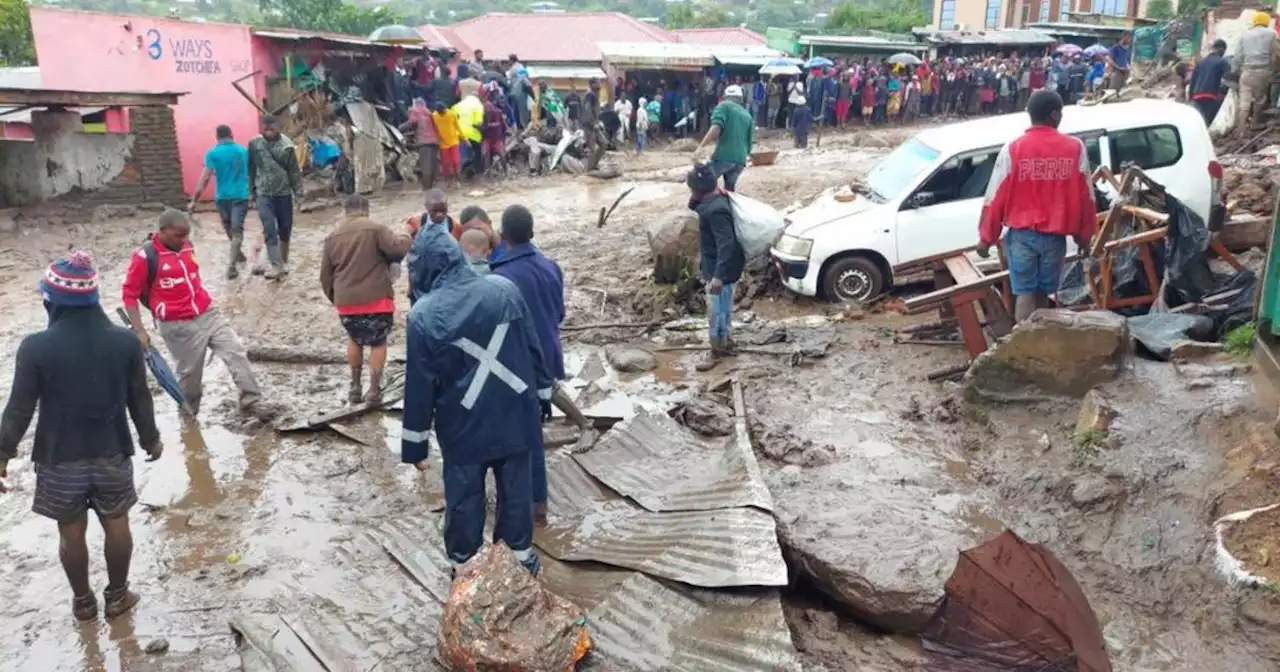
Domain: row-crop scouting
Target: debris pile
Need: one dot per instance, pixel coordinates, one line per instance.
(1250, 188)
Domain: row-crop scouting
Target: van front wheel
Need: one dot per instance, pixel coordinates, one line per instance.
(852, 279)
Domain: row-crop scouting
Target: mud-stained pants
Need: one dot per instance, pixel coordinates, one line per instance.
(428, 165)
(464, 512)
(1255, 95)
(189, 340)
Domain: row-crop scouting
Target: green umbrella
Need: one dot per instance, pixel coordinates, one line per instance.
(396, 35)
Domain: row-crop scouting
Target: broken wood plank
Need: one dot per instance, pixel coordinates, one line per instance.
(1137, 239)
(920, 303)
(1147, 214)
(962, 270)
(922, 264)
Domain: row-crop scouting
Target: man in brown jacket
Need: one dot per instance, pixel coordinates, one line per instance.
(356, 276)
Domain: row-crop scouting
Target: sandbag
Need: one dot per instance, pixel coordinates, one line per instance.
(757, 225)
(498, 617)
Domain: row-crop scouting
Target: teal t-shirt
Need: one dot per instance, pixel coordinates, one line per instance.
(230, 165)
(736, 130)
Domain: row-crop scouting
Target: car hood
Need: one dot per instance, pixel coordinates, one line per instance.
(824, 210)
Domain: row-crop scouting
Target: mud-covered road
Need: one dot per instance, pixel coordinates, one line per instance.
(237, 520)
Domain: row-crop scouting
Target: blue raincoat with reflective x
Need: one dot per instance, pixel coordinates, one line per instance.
(474, 372)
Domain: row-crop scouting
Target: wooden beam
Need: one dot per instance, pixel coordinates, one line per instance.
(64, 98)
(923, 263)
(1147, 214)
(962, 270)
(920, 303)
(1136, 239)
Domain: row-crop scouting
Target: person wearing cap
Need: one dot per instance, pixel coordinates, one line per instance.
(722, 259)
(164, 277)
(1206, 90)
(88, 377)
(1255, 57)
(732, 130)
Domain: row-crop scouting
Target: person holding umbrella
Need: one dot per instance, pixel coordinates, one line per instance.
(163, 276)
(85, 374)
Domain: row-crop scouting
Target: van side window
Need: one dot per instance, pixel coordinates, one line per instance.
(1093, 146)
(962, 178)
(1146, 148)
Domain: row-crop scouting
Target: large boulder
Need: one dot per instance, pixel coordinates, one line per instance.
(1061, 352)
(673, 240)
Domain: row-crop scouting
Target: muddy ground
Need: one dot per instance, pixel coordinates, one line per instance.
(234, 519)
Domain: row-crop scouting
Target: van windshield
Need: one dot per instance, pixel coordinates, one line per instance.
(898, 170)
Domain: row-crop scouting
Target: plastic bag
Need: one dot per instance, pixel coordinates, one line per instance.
(498, 617)
(757, 225)
(1226, 117)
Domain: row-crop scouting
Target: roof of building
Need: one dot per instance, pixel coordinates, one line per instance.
(735, 36)
(27, 97)
(442, 37)
(1069, 28)
(864, 42)
(330, 41)
(568, 37)
(983, 37)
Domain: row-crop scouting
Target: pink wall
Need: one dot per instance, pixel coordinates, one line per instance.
(109, 52)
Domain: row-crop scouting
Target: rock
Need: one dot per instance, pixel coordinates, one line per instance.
(631, 360)
(1092, 489)
(673, 240)
(705, 417)
(157, 645)
(1246, 232)
(1096, 414)
(1187, 349)
(1056, 351)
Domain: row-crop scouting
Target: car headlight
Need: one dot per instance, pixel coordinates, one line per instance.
(796, 247)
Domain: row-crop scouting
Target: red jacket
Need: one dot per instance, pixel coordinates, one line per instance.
(1041, 182)
(177, 293)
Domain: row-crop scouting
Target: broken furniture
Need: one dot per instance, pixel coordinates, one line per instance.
(959, 288)
(1132, 222)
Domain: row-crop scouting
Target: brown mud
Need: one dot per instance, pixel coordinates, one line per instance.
(858, 450)
(1256, 544)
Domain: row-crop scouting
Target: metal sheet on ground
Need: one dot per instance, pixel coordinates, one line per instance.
(712, 549)
(665, 467)
(366, 147)
(268, 637)
(636, 622)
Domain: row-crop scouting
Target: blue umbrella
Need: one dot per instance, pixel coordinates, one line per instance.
(1095, 50)
(818, 62)
(159, 368)
(780, 66)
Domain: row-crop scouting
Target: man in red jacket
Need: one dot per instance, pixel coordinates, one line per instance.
(163, 276)
(1040, 189)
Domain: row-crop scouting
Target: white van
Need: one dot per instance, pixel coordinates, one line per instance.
(925, 197)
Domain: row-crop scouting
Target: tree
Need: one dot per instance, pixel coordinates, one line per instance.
(896, 17)
(1160, 10)
(680, 16)
(334, 16)
(16, 45)
(683, 15)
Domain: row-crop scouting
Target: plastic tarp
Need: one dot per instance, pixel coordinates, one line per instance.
(1157, 332)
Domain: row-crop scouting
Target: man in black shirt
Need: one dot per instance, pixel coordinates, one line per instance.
(722, 259)
(1206, 81)
(85, 374)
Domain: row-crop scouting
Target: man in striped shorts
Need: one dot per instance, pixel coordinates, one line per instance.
(87, 376)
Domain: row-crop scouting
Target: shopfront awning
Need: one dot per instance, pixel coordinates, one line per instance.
(565, 72)
(752, 56)
(657, 55)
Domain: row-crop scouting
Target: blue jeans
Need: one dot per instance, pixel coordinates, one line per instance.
(641, 140)
(720, 316)
(729, 171)
(232, 212)
(1035, 261)
(276, 213)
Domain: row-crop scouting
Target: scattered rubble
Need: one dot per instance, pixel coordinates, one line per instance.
(631, 360)
(705, 417)
(673, 240)
(1095, 418)
(1054, 351)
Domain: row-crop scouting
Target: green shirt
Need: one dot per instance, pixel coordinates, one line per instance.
(736, 133)
(273, 168)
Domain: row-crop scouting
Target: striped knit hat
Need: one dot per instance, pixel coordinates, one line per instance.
(71, 281)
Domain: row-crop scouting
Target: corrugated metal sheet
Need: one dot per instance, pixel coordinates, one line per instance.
(713, 549)
(22, 115)
(745, 55)
(659, 55)
(644, 624)
(636, 622)
(569, 37)
(734, 35)
(865, 42)
(665, 467)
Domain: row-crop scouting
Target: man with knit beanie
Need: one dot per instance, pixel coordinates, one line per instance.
(164, 277)
(84, 373)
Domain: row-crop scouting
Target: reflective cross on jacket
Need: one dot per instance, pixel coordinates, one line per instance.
(473, 367)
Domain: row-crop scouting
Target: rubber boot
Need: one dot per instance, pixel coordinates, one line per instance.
(117, 601)
(237, 255)
(275, 269)
(85, 607)
(374, 396)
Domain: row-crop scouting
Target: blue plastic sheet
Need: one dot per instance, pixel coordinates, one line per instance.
(323, 151)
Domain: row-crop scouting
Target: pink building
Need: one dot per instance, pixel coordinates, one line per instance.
(106, 52)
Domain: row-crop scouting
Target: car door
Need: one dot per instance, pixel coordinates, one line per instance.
(942, 213)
